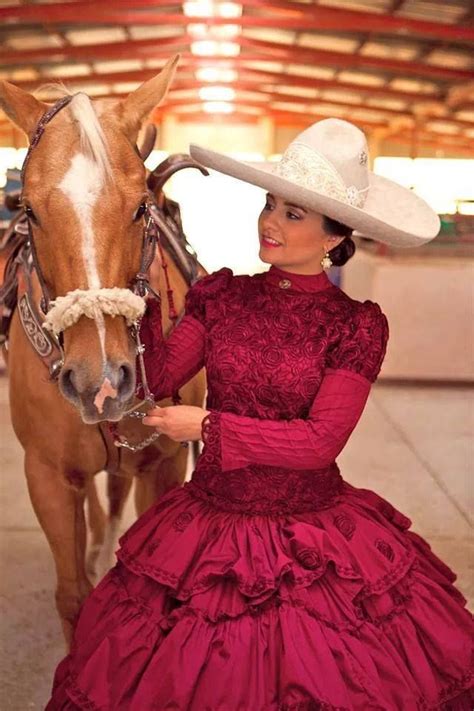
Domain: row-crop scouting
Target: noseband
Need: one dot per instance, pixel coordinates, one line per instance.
(64, 311)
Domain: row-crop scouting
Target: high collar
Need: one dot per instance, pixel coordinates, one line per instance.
(287, 281)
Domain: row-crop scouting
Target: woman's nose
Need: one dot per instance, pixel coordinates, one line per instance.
(269, 220)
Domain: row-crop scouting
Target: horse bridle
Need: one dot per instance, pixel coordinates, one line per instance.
(39, 130)
(139, 286)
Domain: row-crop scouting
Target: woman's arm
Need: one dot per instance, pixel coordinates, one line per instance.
(313, 443)
(172, 362)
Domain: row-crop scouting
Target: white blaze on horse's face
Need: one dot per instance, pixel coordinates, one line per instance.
(83, 184)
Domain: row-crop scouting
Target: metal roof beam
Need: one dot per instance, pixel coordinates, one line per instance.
(315, 18)
(253, 78)
(253, 86)
(270, 51)
(128, 49)
(305, 55)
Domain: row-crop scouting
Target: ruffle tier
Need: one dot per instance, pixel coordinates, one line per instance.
(342, 609)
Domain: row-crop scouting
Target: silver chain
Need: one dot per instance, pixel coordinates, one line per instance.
(123, 442)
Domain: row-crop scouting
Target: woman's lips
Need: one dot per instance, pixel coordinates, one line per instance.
(269, 242)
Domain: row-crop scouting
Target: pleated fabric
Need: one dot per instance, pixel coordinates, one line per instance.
(209, 610)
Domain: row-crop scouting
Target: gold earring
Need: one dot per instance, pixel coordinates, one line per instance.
(326, 261)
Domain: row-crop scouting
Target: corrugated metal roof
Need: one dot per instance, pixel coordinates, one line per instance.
(369, 60)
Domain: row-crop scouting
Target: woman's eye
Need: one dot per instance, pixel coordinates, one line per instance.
(139, 212)
(30, 214)
(293, 215)
(268, 206)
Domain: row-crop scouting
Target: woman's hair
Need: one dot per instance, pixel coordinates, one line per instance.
(345, 249)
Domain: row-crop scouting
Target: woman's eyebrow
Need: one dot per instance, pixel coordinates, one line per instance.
(288, 204)
(298, 207)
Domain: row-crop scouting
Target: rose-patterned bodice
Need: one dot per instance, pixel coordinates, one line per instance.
(277, 348)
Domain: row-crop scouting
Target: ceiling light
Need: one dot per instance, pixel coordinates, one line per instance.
(210, 48)
(229, 9)
(218, 107)
(204, 48)
(216, 93)
(223, 32)
(215, 74)
(229, 49)
(197, 30)
(199, 8)
(208, 8)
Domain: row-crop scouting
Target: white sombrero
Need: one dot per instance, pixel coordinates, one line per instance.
(325, 169)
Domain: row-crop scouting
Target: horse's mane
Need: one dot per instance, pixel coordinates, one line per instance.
(93, 141)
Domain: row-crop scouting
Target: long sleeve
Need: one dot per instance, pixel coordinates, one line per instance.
(172, 362)
(312, 443)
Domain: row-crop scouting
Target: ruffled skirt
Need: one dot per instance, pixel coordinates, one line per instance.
(341, 609)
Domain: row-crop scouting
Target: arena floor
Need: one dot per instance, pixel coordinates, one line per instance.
(412, 446)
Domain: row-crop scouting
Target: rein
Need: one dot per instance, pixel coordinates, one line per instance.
(64, 311)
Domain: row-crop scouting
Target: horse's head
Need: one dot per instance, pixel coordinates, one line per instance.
(84, 192)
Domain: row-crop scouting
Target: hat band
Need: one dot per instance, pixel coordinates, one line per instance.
(309, 169)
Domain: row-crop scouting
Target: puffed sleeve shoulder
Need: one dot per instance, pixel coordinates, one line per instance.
(211, 286)
(363, 342)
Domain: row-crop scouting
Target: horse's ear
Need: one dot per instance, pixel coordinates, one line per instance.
(22, 108)
(133, 110)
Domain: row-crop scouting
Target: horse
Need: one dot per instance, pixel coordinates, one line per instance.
(89, 215)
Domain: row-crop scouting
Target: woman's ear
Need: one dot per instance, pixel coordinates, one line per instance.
(333, 241)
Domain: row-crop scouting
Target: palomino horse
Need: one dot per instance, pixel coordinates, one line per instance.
(85, 196)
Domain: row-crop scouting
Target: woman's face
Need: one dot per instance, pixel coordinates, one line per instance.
(292, 238)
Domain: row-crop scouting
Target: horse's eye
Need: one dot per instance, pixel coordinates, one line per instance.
(30, 214)
(139, 212)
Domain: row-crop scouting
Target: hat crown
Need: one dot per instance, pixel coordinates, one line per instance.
(332, 157)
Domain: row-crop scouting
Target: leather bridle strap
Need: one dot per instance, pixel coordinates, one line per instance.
(40, 127)
(141, 283)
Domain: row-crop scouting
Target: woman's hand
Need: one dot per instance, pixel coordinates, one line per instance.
(179, 422)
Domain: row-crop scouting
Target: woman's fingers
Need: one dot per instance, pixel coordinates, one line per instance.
(179, 422)
(154, 417)
(152, 421)
(155, 411)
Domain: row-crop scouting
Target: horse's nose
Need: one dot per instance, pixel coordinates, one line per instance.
(105, 396)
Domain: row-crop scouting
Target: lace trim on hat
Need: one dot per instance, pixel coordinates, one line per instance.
(306, 167)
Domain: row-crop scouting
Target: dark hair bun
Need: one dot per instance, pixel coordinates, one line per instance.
(343, 252)
(345, 249)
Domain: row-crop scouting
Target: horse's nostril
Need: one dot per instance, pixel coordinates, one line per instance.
(125, 381)
(67, 384)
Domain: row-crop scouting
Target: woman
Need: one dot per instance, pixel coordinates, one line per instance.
(268, 582)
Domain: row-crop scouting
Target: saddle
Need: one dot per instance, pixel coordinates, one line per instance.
(13, 243)
(166, 215)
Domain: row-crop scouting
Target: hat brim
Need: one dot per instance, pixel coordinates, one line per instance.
(391, 214)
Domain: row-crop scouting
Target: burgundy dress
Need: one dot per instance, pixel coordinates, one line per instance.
(268, 582)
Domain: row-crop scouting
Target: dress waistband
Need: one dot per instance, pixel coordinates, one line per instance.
(269, 490)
